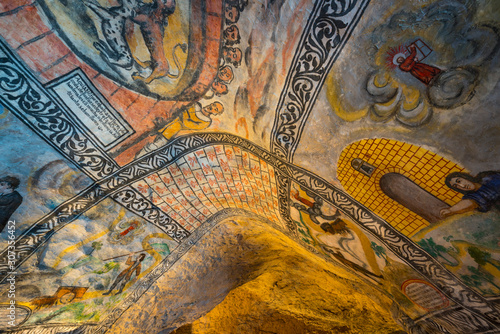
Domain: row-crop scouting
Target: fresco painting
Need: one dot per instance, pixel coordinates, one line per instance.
(206, 52)
(332, 234)
(131, 130)
(471, 253)
(73, 278)
(385, 157)
(443, 201)
(35, 183)
(122, 42)
(417, 64)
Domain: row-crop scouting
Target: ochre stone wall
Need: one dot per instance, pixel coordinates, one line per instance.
(257, 281)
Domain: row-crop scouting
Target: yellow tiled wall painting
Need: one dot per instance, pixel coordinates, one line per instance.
(425, 168)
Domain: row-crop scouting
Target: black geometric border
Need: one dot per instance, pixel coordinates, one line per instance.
(141, 287)
(319, 47)
(402, 247)
(30, 102)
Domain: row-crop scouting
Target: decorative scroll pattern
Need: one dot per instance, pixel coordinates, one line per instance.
(284, 204)
(67, 212)
(41, 231)
(456, 319)
(116, 185)
(330, 26)
(135, 202)
(459, 321)
(31, 103)
(400, 245)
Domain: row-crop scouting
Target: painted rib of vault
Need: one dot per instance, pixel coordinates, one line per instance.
(329, 28)
(398, 243)
(111, 185)
(35, 106)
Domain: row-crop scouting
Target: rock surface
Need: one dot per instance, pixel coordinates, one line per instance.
(245, 277)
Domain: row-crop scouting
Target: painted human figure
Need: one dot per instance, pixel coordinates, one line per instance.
(232, 56)
(482, 192)
(232, 35)
(231, 14)
(126, 275)
(240, 4)
(225, 74)
(219, 88)
(224, 77)
(10, 199)
(423, 72)
(195, 117)
(313, 209)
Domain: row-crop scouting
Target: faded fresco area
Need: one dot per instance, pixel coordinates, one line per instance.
(163, 161)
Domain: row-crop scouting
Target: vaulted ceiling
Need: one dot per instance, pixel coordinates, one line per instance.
(239, 166)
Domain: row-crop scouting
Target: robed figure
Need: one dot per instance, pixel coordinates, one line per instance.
(10, 199)
(423, 72)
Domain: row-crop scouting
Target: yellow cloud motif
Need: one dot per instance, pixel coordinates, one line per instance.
(392, 99)
(340, 103)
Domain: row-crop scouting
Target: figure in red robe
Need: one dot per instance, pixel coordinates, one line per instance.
(422, 72)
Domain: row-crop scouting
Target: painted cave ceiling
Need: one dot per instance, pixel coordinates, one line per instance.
(163, 161)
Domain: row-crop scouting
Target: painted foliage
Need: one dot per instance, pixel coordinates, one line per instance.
(90, 266)
(436, 202)
(131, 128)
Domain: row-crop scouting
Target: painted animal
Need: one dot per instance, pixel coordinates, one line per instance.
(115, 49)
(152, 19)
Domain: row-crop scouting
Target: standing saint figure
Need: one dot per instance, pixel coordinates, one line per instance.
(194, 117)
(423, 72)
(125, 275)
(10, 199)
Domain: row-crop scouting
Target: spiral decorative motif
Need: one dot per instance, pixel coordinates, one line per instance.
(30, 102)
(136, 203)
(41, 231)
(116, 186)
(175, 255)
(321, 43)
(339, 7)
(329, 27)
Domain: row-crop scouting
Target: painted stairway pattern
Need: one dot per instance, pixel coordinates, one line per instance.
(208, 180)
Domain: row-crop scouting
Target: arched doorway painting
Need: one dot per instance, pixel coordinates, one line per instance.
(405, 184)
(404, 191)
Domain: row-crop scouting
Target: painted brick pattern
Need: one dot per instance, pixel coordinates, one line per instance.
(204, 182)
(425, 168)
